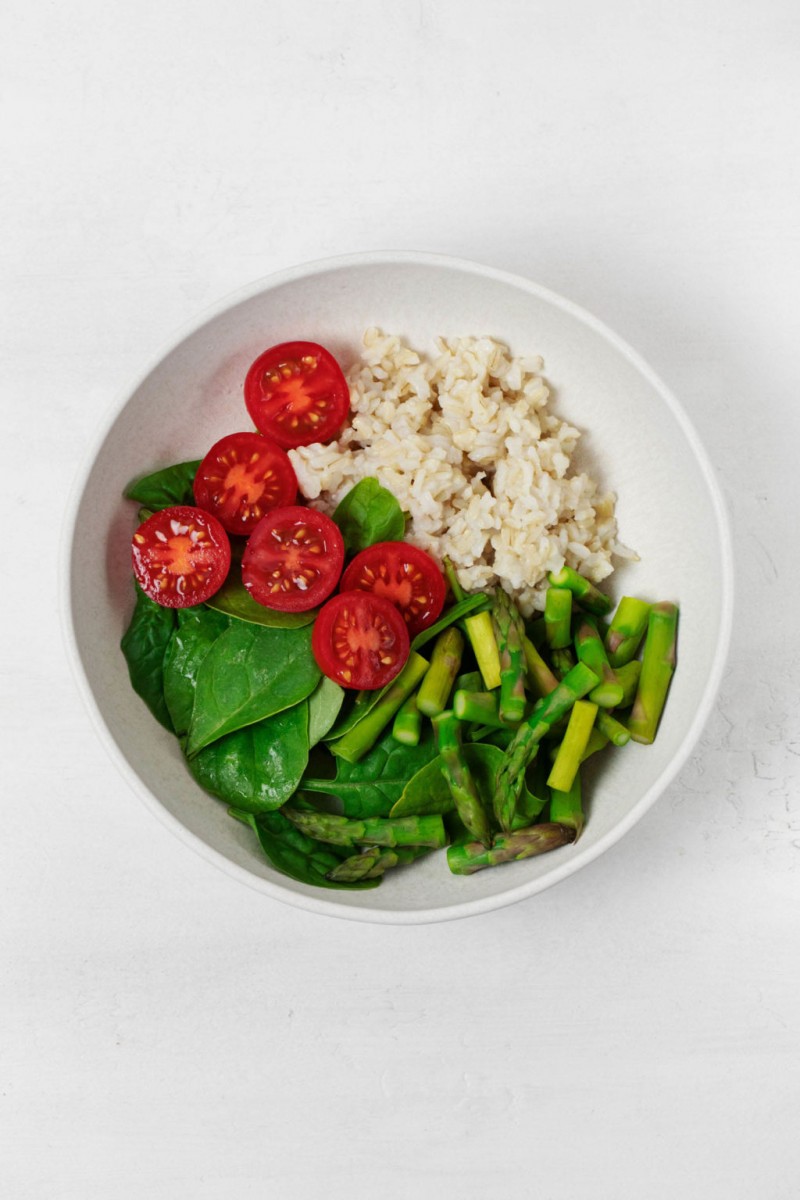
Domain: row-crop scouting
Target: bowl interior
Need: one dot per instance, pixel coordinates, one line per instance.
(636, 440)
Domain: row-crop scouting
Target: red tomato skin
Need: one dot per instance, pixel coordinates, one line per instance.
(161, 541)
(320, 389)
(371, 618)
(383, 558)
(264, 554)
(212, 494)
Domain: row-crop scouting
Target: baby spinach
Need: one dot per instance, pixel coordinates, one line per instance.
(368, 514)
(258, 768)
(371, 786)
(293, 854)
(234, 600)
(250, 673)
(144, 645)
(198, 628)
(323, 708)
(162, 489)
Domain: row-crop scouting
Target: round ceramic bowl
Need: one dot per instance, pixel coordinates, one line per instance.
(636, 440)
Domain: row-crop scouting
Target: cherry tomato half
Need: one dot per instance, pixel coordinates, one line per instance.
(296, 394)
(360, 641)
(402, 573)
(293, 559)
(181, 556)
(241, 478)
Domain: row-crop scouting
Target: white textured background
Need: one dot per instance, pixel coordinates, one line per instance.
(633, 1033)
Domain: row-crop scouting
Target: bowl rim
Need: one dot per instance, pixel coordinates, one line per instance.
(323, 905)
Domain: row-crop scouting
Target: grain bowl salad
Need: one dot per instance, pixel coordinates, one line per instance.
(373, 620)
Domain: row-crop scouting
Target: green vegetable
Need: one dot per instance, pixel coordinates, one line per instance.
(234, 600)
(523, 749)
(407, 727)
(197, 630)
(144, 645)
(510, 633)
(368, 514)
(459, 779)
(294, 854)
(611, 728)
(573, 745)
(248, 674)
(628, 675)
(591, 651)
(437, 683)
(658, 666)
(597, 741)
(563, 661)
(427, 792)
(587, 595)
(462, 609)
(566, 807)
(361, 736)
(165, 488)
(378, 831)
(627, 628)
(465, 858)
(373, 861)
(369, 787)
(324, 704)
(257, 769)
(482, 707)
(557, 617)
(541, 679)
(480, 631)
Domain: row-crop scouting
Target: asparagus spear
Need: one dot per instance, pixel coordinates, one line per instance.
(590, 650)
(459, 777)
(480, 632)
(613, 729)
(407, 726)
(445, 663)
(358, 740)
(478, 706)
(541, 679)
(597, 741)
(626, 630)
(510, 634)
(573, 745)
(557, 616)
(628, 675)
(566, 807)
(580, 680)
(587, 595)
(465, 858)
(658, 665)
(376, 831)
(374, 861)
(563, 661)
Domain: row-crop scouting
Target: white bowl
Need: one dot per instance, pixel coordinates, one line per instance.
(637, 440)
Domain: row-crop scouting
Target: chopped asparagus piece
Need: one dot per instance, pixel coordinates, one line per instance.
(434, 690)
(557, 617)
(628, 675)
(483, 707)
(510, 633)
(358, 740)
(563, 661)
(407, 726)
(541, 679)
(480, 632)
(573, 745)
(587, 595)
(465, 858)
(566, 807)
(613, 729)
(591, 651)
(627, 628)
(658, 665)
(375, 831)
(459, 777)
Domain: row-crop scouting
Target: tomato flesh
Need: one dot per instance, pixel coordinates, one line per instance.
(296, 394)
(360, 641)
(181, 556)
(403, 574)
(242, 477)
(293, 559)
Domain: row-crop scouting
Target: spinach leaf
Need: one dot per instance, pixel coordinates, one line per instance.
(162, 489)
(427, 791)
(250, 673)
(234, 600)
(368, 514)
(323, 708)
(371, 786)
(198, 629)
(144, 645)
(258, 768)
(293, 854)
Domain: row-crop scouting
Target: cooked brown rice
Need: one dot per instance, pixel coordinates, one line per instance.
(467, 444)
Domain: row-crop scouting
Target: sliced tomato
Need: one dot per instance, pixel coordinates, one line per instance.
(181, 556)
(360, 641)
(403, 574)
(242, 477)
(296, 394)
(293, 559)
